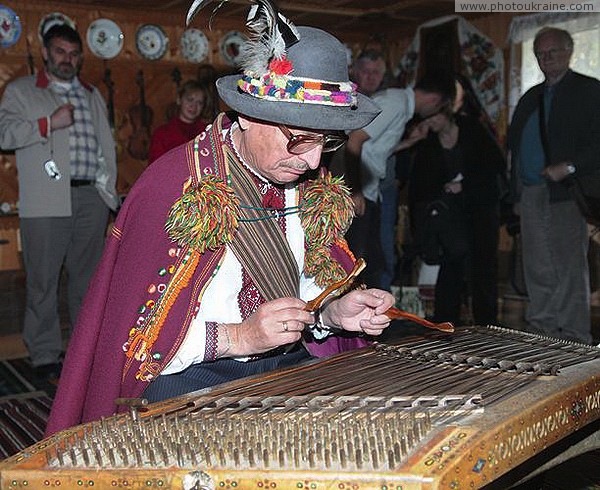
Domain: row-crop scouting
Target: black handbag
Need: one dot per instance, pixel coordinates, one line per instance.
(585, 189)
(430, 249)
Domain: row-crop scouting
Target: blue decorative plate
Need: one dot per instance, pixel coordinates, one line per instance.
(151, 41)
(230, 46)
(10, 27)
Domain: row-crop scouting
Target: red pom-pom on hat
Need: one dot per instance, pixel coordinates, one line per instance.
(281, 66)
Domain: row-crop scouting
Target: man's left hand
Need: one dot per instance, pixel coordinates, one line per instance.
(361, 310)
(557, 172)
(358, 199)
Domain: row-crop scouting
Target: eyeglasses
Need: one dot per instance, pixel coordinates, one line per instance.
(551, 53)
(302, 143)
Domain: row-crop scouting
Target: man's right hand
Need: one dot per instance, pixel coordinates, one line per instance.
(416, 134)
(62, 117)
(273, 324)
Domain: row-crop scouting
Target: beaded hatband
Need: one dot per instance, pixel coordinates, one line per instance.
(285, 88)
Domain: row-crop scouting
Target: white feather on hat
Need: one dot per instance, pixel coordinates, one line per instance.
(271, 33)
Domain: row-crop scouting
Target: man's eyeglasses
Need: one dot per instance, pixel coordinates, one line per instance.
(551, 53)
(302, 143)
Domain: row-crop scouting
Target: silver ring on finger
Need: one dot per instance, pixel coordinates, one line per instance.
(285, 326)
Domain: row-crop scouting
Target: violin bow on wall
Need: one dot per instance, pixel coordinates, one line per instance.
(173, 108)
(110, 85)
(30, 62)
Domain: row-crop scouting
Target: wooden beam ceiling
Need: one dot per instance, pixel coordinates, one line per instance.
(358, 18)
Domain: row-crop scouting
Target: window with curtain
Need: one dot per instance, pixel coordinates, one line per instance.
(524, 70)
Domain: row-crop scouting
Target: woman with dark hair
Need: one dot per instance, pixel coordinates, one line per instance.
(454, 198)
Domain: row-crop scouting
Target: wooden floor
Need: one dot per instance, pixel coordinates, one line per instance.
(581, 473)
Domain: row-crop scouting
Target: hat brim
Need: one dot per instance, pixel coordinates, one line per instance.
(312, 116)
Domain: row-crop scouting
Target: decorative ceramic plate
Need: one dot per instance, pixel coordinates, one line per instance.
(10, 27)
(105, 38)
(52, 19)
(230, 46)
(194, 45)
(151, 41)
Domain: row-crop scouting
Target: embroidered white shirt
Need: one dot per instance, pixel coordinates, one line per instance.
(220, 300)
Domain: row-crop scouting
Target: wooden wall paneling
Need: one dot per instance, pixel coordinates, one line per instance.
(160, 89)
(10, 244)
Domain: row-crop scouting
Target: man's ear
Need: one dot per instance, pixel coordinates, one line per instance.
(44, 53)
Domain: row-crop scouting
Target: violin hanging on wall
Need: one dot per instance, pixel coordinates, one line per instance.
(140, 116)
(110, 86)
(173, 108)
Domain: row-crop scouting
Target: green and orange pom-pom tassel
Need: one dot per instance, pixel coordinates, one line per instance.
(318, 264)
(326, 213)
(326, 210)
(204, 217)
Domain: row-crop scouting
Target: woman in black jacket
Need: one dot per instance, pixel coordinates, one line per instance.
(454, 197)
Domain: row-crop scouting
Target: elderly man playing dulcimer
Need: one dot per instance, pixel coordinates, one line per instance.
(223, 241)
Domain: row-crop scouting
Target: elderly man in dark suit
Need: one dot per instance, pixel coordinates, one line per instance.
(555, 134)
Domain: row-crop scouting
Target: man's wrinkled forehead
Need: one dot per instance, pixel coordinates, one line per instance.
(551, 37)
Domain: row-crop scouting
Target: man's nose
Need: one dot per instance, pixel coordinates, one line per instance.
(313, 157)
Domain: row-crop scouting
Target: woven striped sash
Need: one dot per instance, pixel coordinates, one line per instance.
(260, 244)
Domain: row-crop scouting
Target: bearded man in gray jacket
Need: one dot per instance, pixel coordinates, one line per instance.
(67, 172)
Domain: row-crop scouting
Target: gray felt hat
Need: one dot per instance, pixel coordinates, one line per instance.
(320, 58)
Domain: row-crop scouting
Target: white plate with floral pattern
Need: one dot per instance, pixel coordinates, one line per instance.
(230, 46)
(10, 27)
(105, 38)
